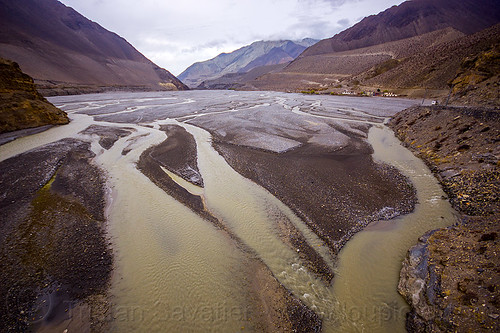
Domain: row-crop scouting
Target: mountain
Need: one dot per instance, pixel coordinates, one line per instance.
(21, 106)
(412, 18)
(239, 80)
(58, 47)
(382, 42)
(261, 53)
(462, 63)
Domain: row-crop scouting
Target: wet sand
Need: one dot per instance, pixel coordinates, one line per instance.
(178, 154)
(277, 309)
(107, 135)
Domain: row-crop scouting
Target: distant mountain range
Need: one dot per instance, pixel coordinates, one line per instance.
(62, 50)
(414, 47)
(243, 60)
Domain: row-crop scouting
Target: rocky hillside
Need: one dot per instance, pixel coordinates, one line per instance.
(261, 53)
(436, 67)
(450, 278)
(412, 18)
(61, 49)
(416, 45)
(327, 71)
(477, 81)
(21, 106)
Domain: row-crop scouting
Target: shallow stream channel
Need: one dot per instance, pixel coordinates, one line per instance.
(175, 271)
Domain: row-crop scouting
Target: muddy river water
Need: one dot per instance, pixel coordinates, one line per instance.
(176, 272)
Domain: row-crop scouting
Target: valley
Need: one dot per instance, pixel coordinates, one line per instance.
(347, 183)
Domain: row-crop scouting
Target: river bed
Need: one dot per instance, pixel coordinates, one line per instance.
(174, 271)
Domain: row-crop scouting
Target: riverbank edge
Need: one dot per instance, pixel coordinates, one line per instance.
(449, 278)
(55, 250)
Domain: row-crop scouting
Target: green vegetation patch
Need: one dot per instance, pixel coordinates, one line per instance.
(384, 67)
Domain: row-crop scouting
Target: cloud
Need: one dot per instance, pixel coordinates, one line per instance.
(210, 45)
(175, 34)
(344, 23)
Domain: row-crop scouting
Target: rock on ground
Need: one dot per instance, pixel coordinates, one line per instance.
(451, 277)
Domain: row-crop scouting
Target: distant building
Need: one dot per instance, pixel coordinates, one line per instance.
(347, 92)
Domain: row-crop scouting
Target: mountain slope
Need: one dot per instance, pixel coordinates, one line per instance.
(55, 44)
(478, 79)
(436, 66)
(240, 80)
(261, 53)
(412, 18)
(404, 40)
(326, 71)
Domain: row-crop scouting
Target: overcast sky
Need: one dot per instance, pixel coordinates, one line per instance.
(176, 33)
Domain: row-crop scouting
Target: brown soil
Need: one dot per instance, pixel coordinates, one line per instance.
(458, 265)
(53, 247)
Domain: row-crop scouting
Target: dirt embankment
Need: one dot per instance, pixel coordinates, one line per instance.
(451, 278)
(21, 106)
(50, 88)
(54, 252)
(478, 79)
